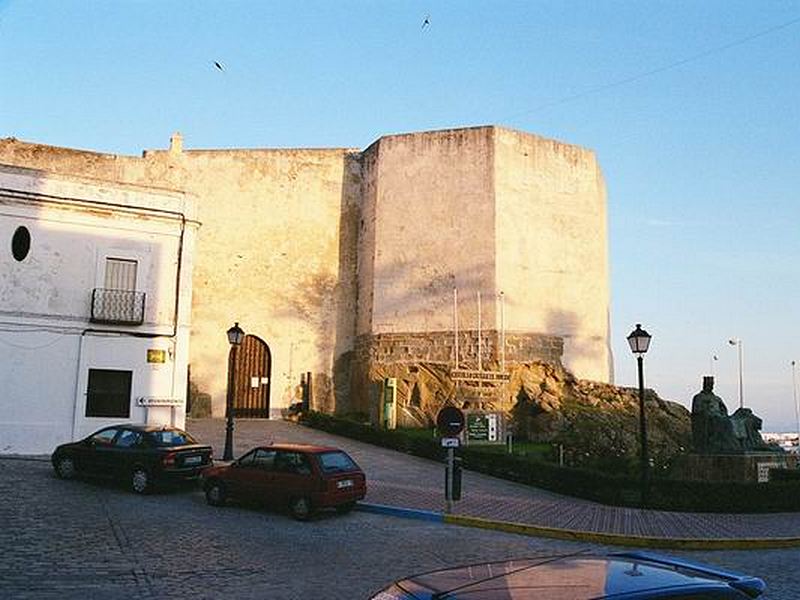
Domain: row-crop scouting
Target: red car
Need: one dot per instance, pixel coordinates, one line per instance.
(299, 477)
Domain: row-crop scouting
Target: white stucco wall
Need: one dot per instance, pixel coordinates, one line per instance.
(47, 343)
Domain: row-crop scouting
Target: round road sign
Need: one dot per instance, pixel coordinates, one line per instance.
(450, 421)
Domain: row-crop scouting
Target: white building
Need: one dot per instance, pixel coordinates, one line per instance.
(95, 299)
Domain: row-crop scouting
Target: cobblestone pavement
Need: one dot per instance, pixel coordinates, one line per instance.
(400, 480)
(75, 539)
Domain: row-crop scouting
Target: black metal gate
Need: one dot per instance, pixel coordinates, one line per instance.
(253, 378)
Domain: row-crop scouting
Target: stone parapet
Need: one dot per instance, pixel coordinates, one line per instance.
(439, 347)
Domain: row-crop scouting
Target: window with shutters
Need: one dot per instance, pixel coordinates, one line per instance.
(120, 274)
(118, 301)
(108, 393)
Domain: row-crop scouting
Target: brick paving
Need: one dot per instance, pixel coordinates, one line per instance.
(396, 479)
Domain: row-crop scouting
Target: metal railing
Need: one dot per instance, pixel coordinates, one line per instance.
(120, 307)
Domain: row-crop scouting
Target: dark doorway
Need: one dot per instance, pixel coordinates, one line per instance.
(253, 379)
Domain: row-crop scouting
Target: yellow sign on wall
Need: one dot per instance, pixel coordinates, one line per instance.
(156, 356)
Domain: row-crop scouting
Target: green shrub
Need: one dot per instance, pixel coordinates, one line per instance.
(780, 494)
(784, 475)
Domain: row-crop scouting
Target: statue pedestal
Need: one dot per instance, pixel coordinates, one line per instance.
(751, 467)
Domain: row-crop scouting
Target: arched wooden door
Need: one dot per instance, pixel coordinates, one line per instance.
(253, 376)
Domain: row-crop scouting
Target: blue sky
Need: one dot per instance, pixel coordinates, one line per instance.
(693, 109)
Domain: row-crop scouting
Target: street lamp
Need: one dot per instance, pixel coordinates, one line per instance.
(737, 342)
(796, 406)
(639, 341)
(235, 337)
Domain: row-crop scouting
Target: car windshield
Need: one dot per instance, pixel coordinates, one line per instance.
(336, 462)
(171, 437)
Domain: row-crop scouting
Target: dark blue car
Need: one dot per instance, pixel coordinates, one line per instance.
(621, 576)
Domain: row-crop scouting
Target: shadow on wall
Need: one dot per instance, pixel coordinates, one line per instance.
(347, 289)
(325, 302)
(419, 298)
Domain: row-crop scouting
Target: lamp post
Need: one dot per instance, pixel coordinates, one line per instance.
(235, 337)
(639, 341)
(738, 343)
(796, 406)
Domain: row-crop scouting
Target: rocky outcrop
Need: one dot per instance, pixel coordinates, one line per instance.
(546, 403)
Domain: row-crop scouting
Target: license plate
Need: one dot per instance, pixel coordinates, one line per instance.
(344, 483)
(192, 460)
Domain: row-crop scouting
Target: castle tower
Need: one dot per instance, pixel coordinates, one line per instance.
(486, 210)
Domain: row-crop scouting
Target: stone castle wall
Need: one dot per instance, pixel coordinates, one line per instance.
(430, 229)
(430, 358)
(552, 246)
(276, 250)
(439, 347)
(308, 249)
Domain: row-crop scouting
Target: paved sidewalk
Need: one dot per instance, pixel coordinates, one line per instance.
(407, 482)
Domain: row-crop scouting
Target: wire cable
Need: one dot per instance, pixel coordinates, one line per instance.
(656, 71)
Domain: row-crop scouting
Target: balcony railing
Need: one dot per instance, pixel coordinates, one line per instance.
(120, 307)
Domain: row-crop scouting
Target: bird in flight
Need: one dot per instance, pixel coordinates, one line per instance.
(219, 66)
(426, 22)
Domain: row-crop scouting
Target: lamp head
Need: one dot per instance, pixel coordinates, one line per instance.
(639, 340)
(235, 334)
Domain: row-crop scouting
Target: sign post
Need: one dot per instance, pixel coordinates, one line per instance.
(450, 423)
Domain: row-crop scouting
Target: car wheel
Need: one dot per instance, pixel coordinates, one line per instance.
(65, 468)
(301, 508)
(345, 508)
(140, 481)
(215, 493)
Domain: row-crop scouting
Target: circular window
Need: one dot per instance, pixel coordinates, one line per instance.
(21, 243)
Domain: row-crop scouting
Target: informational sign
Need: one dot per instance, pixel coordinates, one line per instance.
(389, 390)
(763, 471)
(483, 428)
(389, 413)
(466, 375)
(451, 442)
(257, 381)
(151, 401)
(156, 356)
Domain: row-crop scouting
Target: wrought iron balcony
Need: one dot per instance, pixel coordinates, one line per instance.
(120, 307)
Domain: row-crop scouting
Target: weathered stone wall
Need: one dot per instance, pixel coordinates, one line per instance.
(277, 254)
(439, 347)
(552, 246)
(428, 227)
(277, 250)
(426, 360)
(309, 248)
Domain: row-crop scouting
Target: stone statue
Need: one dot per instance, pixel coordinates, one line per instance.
(714, 432)
(747, 429)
